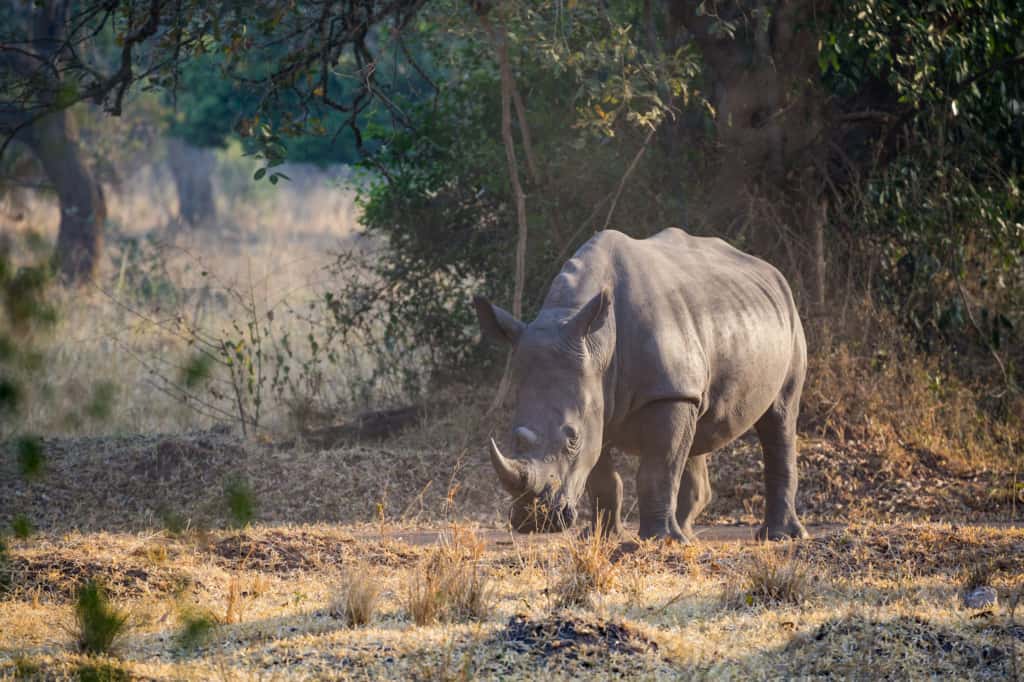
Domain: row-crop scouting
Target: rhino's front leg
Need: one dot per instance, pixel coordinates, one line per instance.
(605, 488)
(663, 433)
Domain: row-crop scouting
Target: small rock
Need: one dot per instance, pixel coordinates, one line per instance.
(980, 597)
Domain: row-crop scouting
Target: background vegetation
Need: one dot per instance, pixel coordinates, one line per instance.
(237, 247)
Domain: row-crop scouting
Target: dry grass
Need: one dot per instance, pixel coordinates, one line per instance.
(770, 577)
(587, 569)
(450, 584)
(868, 382)
(890, 608)
(234, 605)
(360, 596)
(131, 329)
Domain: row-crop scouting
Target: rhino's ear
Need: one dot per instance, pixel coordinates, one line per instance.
(591, 316)
(495, 323)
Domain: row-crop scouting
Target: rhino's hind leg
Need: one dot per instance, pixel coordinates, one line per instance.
(605, 488)
(694, 493)
(776, 430)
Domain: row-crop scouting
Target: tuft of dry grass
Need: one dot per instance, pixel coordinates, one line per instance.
(360, 597)
(449, 584)
(233, 606)
(770, 578)
(587, 569)
(450, 667)
(978, 574)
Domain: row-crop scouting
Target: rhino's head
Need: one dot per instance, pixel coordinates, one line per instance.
(558, 370)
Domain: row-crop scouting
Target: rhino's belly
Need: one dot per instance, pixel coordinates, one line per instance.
(739, 397)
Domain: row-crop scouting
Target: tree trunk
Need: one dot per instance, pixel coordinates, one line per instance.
(771, 114)
(192, 169)
(83, 211)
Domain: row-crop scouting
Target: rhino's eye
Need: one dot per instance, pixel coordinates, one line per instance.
(572, 436)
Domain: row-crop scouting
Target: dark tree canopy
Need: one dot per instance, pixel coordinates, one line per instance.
(836, 139)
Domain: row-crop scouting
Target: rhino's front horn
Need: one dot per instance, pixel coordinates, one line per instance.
(512, 474)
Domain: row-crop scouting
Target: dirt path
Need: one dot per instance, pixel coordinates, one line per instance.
(714, 535)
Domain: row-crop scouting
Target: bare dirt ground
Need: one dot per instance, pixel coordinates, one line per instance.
(876, 593)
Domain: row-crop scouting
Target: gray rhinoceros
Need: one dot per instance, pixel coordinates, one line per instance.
(665, 348)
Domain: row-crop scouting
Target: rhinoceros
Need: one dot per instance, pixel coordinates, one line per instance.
(665, 348)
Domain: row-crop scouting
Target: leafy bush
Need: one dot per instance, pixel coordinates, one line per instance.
(22, 527)
(241, 501)
(197, 625)
(443, 202)
(100, 623)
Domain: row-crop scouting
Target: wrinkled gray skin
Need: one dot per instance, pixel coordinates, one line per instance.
(665, 348)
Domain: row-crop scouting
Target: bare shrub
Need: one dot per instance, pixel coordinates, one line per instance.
(359, 598)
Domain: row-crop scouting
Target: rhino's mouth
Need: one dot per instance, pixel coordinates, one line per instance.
(537, 516)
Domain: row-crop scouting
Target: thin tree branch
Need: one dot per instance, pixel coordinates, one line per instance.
(500, 40)
(625, 177)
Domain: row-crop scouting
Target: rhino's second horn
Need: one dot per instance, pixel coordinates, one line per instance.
(525, 438)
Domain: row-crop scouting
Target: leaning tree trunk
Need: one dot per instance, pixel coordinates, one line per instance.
(771, 115)
(83, 211)
(192, 169)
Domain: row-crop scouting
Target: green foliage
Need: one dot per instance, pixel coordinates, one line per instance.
(197, 626)
(101, 672)
(944, 212)
(100, 623)
(25, 668)
(241, 501)
(959, 62)
(22, 527)
(6, 569)
(30, 457)
(142, 272)
(101, 404)
(24, 295)
(592, 93)
(175, 523)
(216, 102)
(197, 370)
(941, 225)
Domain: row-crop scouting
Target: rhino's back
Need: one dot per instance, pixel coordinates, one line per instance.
(697, 320)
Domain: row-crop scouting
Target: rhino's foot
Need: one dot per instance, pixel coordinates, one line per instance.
(667, 531)
(610, 532)
(790, 529)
